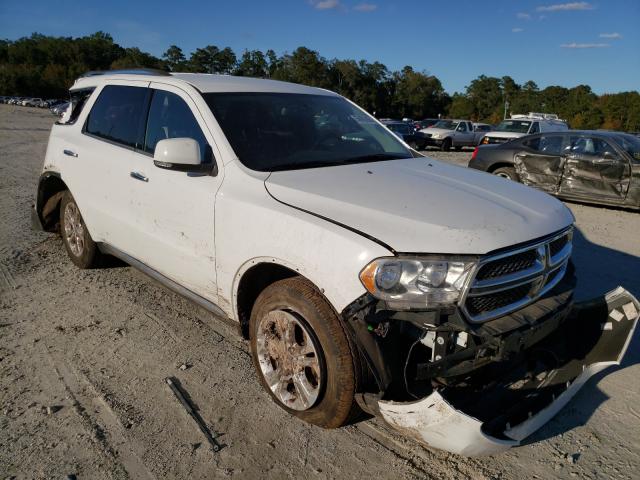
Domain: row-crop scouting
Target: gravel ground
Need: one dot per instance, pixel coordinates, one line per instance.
(83, 355)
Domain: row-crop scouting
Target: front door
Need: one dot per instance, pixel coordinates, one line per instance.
(175, 210)
(540, 162)
(594, 170)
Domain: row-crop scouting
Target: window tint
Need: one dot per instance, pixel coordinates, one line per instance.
(548, 145)
(591, 146)
(535, 128)
(171, 117)
(118, 115)
(462, 127)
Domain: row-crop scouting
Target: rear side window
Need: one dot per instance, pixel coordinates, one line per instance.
(548, 145)
(77, 100)
(118, 115)
(171, 117)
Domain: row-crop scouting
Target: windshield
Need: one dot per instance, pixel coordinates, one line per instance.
(517, 126)
(631, 145)
(446, 124)
(284, 131)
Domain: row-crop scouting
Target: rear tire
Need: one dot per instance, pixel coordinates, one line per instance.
(507, 172)
(80, 247)
(302, 354)
(446, 145)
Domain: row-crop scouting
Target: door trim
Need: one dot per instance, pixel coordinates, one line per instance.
(167, 282)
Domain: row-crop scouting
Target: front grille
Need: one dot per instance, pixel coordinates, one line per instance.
(506, 282)
(557, 245)
(489, 303)
(507, 265)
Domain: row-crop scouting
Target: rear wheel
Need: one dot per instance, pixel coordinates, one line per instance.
(446, 145)
(506, 172)
(302, 354)
(80, 247)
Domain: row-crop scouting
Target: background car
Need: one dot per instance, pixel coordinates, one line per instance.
(521, 125)
(406, 132)
(456, 133)
(590, 166)
(426, 123)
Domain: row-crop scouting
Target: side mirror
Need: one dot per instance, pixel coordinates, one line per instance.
(181, 154)
(608, 156)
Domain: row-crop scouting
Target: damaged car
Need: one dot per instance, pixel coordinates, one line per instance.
(594, 166)
(365, 276)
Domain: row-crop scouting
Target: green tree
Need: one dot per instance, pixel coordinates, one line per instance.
(174, 58)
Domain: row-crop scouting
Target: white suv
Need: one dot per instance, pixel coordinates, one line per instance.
(365, 276)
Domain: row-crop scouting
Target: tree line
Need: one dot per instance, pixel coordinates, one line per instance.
(46, 66)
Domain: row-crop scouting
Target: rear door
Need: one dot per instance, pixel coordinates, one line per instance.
(96, 159)
(540, 163)
(174, 211)
(595, 170)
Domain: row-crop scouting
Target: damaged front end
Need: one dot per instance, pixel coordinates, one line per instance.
(481, 388)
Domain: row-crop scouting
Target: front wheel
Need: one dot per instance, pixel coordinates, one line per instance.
(506, 172)
(446, 145)
(302, 354)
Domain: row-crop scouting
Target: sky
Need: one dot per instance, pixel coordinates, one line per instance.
(551, 42)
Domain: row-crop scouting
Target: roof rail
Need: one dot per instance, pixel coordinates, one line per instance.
(127, 71)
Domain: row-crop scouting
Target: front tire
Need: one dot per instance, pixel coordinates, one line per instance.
(80, 247)
(302, 354)
(446, 145)
(507, 172)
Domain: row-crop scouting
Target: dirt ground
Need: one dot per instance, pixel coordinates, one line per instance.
(83, 355)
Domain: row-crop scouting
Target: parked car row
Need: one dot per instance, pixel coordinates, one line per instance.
(31, 101)
(457, 133)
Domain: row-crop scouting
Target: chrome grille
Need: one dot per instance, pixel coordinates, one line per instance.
(506, 282)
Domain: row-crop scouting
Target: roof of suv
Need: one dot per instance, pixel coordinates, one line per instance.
(204, 82)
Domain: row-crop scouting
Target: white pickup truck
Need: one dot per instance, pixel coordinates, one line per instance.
(364, 275)
(445, 134)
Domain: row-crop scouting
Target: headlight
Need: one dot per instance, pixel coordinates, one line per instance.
(406, 283)
(437, 135)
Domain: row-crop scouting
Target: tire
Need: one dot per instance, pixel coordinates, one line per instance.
(296, 306)
(446, 145)
(507, 172)
(458, 149)
(80, 247)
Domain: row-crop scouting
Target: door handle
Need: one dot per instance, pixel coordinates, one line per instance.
(70, 153)
(138, 176)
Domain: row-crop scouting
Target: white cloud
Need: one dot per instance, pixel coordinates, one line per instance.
(610, 35)
(325, 4)
(565, 6)
(523, 16)
(365, 7)
(585, 45)
(517, 30)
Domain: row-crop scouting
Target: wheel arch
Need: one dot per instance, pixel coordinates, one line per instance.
(252, 278)
(51, 187)
(494, 166)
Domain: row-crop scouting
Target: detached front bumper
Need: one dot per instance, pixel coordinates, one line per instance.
(485, 421)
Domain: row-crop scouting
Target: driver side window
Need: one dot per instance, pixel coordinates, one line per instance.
(171, 117)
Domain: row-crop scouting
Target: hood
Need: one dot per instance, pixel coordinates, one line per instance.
(420, 205)
(505, 134)
(439, 131)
